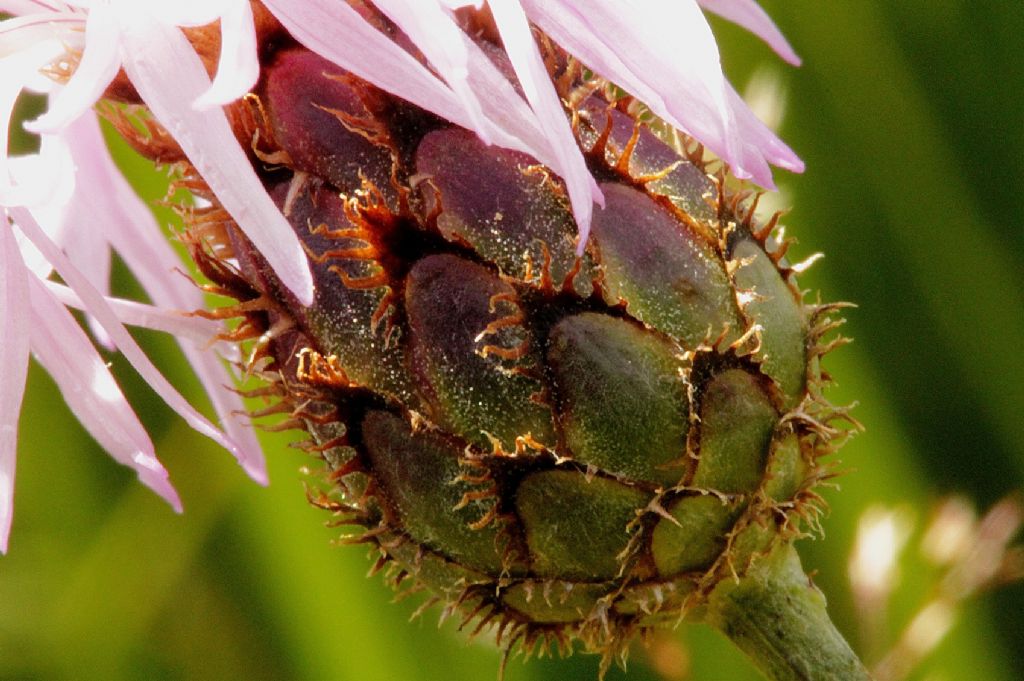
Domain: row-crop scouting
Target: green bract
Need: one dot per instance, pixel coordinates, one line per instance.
(564, 447)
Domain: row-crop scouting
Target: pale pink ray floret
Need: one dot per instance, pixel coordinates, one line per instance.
(37, 243)
(66, 208)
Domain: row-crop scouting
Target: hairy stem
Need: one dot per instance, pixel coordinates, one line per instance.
(776, 616)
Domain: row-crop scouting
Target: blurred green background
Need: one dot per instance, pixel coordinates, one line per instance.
(910, 118)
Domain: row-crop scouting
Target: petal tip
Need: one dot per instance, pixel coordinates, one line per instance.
(165, 490)
(256, 468)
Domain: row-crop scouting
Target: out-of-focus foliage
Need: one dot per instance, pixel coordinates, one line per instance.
(909, 119)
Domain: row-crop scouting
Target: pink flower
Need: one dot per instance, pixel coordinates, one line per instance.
(65, 208)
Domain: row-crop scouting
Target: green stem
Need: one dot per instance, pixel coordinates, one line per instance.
(777, 617)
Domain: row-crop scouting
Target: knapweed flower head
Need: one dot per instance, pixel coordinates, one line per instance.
(69, 204)
(555, 367)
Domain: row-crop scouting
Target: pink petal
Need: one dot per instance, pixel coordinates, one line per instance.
(14, 312)
(664, 54)
(219, 386)
(184, 12)
(98, 66)
(44, 181)
(238, 67)
(95, 303)
(515, 125)
(540, 92)
(198, 331)
(459, 4)
(760, 142)
(751, 16)
(18, 69)
(117, 213)
(440, 39)
(19, 7)
(22, 32)
(108, 207)
(63, 349)
(90, 253)
(632, 48)
(206, 138)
